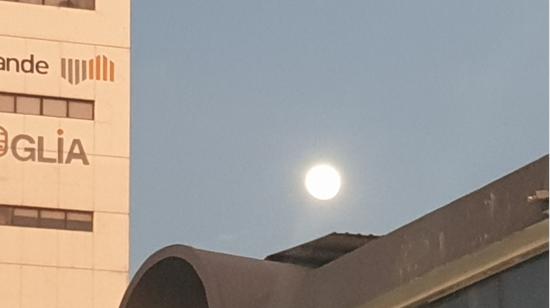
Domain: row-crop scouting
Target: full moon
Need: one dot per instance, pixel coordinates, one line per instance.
(323, 182)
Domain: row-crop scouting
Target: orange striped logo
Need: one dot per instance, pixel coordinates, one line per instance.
(76, 71)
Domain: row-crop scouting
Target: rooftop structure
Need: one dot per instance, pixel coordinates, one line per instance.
(486, 249)
(323, 250)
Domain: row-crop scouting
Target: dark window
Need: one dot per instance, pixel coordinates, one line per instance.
(27, 217)
(27, 105)
(29, 1)
(54, 107)
(23, 216)
(81, 110)
(77, 4)
(79, 221)
(7, 103)
(52, 219)
(5, 215)
(46, 106)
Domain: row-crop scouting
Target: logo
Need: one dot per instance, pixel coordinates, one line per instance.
(3, 141)
(27, 148)
(76, 71)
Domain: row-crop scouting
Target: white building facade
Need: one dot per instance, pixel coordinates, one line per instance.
(64, 153)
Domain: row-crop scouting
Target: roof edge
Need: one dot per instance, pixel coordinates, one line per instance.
(469, 269)
(228, 280)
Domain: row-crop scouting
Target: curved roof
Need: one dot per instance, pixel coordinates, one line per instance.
(182, 276)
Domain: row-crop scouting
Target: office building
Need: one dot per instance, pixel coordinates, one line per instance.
(64, 153)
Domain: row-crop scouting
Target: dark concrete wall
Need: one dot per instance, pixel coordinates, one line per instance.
(524, 285)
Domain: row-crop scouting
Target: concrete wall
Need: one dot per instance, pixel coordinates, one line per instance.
(524, 285)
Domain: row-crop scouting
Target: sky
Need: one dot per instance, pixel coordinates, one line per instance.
(416, 103)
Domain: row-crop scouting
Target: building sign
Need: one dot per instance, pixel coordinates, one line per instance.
(28, 148)
(74, 71)
(25, 65)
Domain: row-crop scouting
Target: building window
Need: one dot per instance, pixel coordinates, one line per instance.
(27, 105)
(79, 221)
(54, 107)
(7, 103)
(23, 216)
(5, 215)
(80, 110)
(46, 106)
(52, 219)
(77, 4)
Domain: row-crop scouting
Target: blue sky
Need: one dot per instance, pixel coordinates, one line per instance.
(415, 102)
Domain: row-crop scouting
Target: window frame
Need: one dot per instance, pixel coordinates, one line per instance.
(67, 102)
(41, 222)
